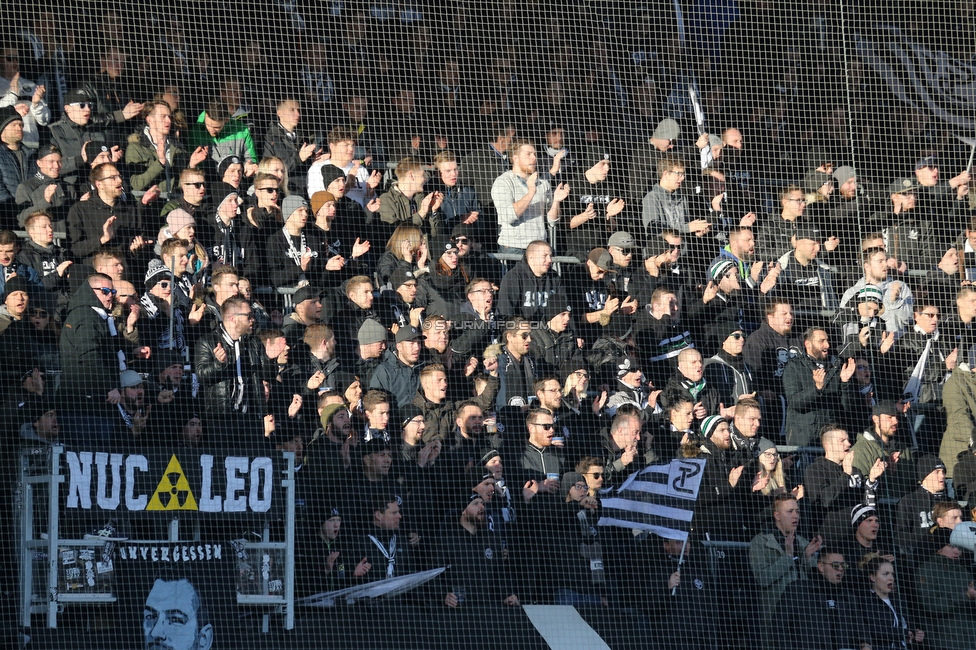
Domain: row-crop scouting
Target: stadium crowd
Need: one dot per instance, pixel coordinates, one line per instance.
(472, 328)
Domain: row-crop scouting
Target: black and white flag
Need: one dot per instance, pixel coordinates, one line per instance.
(659, 499)
(931, 81)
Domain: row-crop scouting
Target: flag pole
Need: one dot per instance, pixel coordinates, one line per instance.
(681, 560)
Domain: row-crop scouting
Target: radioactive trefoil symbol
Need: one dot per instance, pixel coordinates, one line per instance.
(173, 491)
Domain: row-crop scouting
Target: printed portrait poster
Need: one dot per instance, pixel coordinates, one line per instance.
(178, 596)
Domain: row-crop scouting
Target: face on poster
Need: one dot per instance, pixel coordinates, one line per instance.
(175, 618)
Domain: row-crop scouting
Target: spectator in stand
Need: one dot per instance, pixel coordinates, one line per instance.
(726, 372)
(477, 320)
(16, 164)
(488, 161)
(620, 448)
(915, 509)
(406, 250)
(526, 205)
(382, 556)
(516, 368)
(190, 195)
(45, 191)
(897, 294)
(231, 364)
(744, 430)
(645, 157)
(406, 201)
(878, 443)
(108, 219)
(835, 486)
(528, 287)
(600, 208)
(460, 203)
(399, 371)
(805, 281)
(864, 539)
(222, 136)
(664, 207)
(821, 612)
(812, 397)
(909, 228)
(775, 239)
(155, 157)
(555, 342)
(780, 557)
(883, 622)
(79, 126)
(285, 142)
(94, 352)
(947, 592)
(360, 184)
(50, 262)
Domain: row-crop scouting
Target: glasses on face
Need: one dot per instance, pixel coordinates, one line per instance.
(796, 201)
(269, 190)
(550, 390)
(679, 174)
(461, 241)
(199, 185)
(771, 454)
(246, 314)
(596, 474)
(164, 284)
(580, 486)
(863, 368)
(548, 426)
(113, 177)
(39, 313)
(737, 335)
(81, 105)
(928, 314)
(524, 336)
(491, 291)
(582, 375)
(106, 291)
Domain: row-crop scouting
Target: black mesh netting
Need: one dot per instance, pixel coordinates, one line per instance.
(488, 325)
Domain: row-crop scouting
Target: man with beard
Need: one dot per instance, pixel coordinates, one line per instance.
(526, 204)
(767, 351)
(231, 364)
(133, 414)
(107, 219)
(897, 295)
(307, 302)
(815, 393)
(479, 570)
(371, 344)
(516, 370)
(590, 290)
(878, 444)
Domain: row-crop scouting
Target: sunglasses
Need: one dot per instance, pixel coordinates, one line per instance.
(106, 291)
(548, 426)
(596, 474)
(199, 185)
(81, 105)
(269, 190)
(39, 313)
(737, 335)
(164, 284)
(461, 241)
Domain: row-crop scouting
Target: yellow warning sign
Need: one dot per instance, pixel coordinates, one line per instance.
(173, 491)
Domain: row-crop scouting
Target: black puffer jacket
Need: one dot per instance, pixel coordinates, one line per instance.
(221, 391)
(91, 354)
